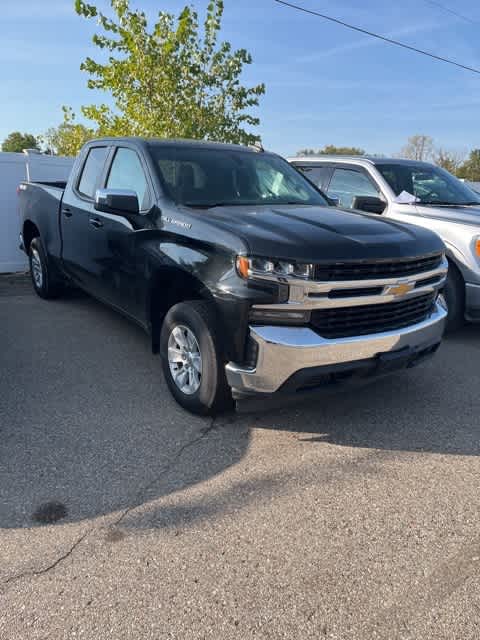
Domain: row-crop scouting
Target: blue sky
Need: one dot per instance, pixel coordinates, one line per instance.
(325, 84)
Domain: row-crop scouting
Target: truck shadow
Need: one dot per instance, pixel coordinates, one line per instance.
(433, 408)
(429, 410)
(88, 427)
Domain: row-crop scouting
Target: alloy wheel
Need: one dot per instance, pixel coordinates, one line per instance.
(185, 359)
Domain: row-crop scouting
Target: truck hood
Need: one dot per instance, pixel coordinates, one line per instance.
(463, 215)
(315, 234)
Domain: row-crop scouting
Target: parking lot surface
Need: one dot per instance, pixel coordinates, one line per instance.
(355, 516)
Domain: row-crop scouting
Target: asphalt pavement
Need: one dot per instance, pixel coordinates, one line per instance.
(352, 517)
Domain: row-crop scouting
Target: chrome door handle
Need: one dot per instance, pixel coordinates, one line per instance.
(96, 222)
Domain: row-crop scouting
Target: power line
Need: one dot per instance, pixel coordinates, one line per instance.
(452, 12)
(376, 35)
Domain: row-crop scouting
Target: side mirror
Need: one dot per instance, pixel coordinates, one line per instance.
(371, 204)
(334, 200)
(116, 201)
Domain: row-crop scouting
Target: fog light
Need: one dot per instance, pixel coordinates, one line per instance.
(273, 316)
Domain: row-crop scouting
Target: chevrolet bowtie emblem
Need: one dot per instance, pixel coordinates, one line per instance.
(399, 289)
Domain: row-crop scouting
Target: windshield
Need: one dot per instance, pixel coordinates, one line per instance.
(211, 177)
(431, 185)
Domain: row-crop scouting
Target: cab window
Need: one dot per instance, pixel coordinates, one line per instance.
(92, 169)
(348, 183)
(318, 175)
(127, 172)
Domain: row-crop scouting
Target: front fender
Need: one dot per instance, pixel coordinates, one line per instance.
(181, 271)
(462, 255)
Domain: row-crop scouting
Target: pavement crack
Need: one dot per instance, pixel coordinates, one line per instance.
(38, 572)
(137, 502)
(139, 499)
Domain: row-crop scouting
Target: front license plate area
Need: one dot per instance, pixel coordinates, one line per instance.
(393, 361)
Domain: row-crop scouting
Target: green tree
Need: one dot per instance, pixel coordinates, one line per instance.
(171, 80)
(470, 169)
(68, 138)
(418, 147)
(331, 149)
(17, 142)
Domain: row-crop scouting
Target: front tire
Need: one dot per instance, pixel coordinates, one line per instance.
(454, 293)
(192, 358)
(41, 272)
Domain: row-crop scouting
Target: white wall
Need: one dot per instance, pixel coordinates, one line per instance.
(13, 169)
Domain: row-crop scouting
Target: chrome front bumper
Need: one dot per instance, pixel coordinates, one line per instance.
(283, 351)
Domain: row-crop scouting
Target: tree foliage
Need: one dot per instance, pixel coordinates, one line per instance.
(17, 142)
(68, 138)
(331, 149)
(419, 147)
(171, 80)
(470, 169)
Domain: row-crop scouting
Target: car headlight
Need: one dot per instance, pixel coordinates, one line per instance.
(255, 267)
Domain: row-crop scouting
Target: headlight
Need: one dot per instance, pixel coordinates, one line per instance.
(251, 267)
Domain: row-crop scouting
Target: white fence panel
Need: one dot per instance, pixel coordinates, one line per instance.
(13, 169)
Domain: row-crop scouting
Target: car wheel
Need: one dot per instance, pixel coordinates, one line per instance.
(454, 294)
(192, 358)
(41, 273)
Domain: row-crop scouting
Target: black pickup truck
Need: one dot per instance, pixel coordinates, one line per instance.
(248, 282)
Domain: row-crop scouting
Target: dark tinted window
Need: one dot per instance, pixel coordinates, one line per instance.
(346, 184)
(317, 175)
(92, 170)
(206, 177)
(429, 184)
(127, 172)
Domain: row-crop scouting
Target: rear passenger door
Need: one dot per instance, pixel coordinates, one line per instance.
(77, 209)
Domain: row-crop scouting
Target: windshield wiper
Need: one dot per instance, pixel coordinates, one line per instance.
(440, 203)
(212, 205)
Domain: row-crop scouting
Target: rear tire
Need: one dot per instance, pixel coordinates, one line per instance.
(192, 358)
(454, 293)
(41, 272)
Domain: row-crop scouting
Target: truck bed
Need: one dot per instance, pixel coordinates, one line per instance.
(40, 204)
(61, 184)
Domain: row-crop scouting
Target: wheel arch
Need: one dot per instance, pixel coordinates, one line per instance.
(169, 286)
(29, 232)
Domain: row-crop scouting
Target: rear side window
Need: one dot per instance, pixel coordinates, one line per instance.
(91, 170)
(347, 183)
(127, 173)
(317, 175)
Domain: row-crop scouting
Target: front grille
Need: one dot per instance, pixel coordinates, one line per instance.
(375, 270)
(345, 322)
